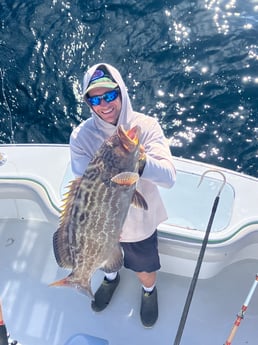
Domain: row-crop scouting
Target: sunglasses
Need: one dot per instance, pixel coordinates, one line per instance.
(107, 96)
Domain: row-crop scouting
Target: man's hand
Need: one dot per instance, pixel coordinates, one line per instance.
(142, 160)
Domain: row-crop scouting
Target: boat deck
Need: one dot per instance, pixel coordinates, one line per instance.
(37, 314)
(42, 315)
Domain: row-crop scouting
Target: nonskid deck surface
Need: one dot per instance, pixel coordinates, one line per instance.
(38, 314)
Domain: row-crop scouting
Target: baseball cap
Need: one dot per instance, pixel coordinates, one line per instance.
(100, 79)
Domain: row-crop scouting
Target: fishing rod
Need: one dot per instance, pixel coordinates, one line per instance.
(200, 258)
(4, 335)
(3, 331)
(241, 313)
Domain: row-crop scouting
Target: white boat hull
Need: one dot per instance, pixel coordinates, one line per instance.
(32, 182)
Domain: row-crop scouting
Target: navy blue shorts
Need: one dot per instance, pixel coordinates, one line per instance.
(142, 256)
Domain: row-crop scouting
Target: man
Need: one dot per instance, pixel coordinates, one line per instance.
(105, 93)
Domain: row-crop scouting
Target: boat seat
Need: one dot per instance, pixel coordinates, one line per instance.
(85, 339)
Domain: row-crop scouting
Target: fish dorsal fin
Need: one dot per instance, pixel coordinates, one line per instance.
(68, 201)
(61, 238)
(62, 250)
(126, 178)
(139, 201)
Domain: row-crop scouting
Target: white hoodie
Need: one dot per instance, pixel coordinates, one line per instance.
(158, 170)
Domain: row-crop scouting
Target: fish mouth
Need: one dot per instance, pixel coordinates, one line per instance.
(129, 138)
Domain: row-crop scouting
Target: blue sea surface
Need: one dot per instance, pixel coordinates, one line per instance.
(191, 64)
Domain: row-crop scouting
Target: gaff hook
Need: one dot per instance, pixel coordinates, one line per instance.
(215, 171)
(200, 259)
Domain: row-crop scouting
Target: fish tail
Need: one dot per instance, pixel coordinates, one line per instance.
(61, 282)
(70, 282)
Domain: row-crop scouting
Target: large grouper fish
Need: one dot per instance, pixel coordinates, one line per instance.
(95, 209)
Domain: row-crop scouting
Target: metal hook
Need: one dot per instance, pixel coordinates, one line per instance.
(216, 171)
(200, 259)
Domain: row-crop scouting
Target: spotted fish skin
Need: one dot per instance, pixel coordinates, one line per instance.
(95, 209)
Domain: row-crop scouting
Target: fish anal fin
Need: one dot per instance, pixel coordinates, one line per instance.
(115, 261)
(139, 201)
(126, 178)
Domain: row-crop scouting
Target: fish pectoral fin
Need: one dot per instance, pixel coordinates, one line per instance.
(139, 201)
(115, 261)
(126, 178)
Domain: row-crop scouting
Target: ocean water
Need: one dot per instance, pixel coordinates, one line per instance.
(191, 64)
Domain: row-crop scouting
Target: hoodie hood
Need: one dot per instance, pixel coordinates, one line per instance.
(126, 110)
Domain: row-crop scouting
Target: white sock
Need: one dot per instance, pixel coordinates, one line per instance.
(111, 276)
(148, 289)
